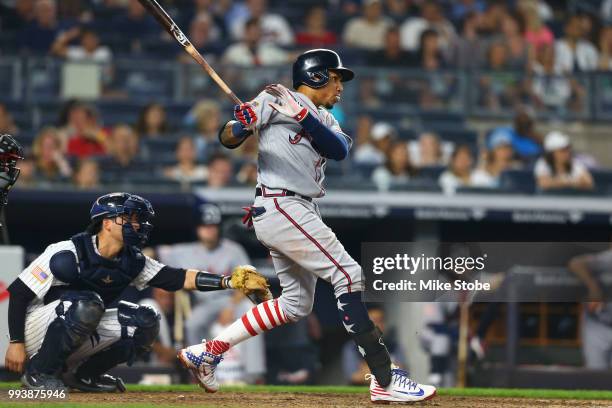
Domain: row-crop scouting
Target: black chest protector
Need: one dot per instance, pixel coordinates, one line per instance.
(108, 278)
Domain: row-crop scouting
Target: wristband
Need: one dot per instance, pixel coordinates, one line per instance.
(301, 115)
(239, 131)
(205, 282)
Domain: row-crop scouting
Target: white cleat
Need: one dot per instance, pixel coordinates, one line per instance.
(202, 365)
(401, 389)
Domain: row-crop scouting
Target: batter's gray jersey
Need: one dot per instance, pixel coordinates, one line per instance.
(287, 159)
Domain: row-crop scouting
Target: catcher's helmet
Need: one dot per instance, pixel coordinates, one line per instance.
(116, 204)
(312, 68)
(10, 152)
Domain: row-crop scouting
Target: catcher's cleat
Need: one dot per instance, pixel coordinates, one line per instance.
(102, 383)
(38, 381)
(401, 389)
(202, 365)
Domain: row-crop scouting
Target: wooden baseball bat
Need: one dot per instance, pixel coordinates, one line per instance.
(173, 29)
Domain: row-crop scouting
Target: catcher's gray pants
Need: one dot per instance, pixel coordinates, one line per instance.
(39, 319)
(596, 343)
(303, 248)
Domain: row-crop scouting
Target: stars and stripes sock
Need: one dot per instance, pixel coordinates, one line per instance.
(353, 313)
(263, 317)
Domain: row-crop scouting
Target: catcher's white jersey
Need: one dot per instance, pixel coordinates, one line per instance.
(287, 158)
(39, 278)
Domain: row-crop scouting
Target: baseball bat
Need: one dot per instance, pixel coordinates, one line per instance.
(173, 29)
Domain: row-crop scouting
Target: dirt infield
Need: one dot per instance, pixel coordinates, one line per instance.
(306, 400)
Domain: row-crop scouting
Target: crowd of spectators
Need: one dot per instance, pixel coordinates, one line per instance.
(89, 155)
(530, 54)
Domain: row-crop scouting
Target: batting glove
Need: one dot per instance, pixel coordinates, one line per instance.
(288, 105)
(245, 114)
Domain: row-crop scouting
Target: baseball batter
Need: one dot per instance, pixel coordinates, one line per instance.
(59, 326)
(297, 135)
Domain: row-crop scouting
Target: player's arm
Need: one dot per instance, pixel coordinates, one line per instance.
(20, 298)
(244, 278)
(173, 279)
(332, 144)
(233, 134)
(579, 265)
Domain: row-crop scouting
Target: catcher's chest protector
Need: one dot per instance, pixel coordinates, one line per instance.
(106, 277)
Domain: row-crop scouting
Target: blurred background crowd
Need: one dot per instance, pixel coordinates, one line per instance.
(498, 96)
(460, 95)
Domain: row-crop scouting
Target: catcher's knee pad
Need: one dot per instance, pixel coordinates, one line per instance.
(295, 308)
(83, 315)
(146, 321)
(72, 326)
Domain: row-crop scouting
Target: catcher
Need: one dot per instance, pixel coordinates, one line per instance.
(61, 332)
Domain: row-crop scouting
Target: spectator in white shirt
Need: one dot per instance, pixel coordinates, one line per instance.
(89, 49)
(573, 53)
(187, 170)
(558, 169)
(429, 151)
(275, 28)
(459, 172)
(251, 51)
(397, 168)
(431, 18)
(368, 32)
(374, 152)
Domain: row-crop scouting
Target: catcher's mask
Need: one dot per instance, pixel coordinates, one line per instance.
(138, 210)
(10, 153)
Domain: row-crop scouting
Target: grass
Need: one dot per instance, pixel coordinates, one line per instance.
(466, 392)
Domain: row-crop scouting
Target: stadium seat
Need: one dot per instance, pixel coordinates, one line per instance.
(603, 181)
(430, 173)
(518, 180)
(416, 185)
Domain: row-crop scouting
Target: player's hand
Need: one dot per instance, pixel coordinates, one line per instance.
(288, 106)
(250, 282)
(15, 357)
(245, 114)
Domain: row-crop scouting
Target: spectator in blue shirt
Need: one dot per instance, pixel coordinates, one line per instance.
(38, 36)
(526, 140)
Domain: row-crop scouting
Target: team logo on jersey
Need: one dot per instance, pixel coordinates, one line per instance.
(40, 274)
(295, 139)
(107, 280)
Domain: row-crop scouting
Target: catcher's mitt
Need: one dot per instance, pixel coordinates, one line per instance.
(250, 282)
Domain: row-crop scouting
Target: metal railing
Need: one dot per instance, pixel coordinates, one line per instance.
(585, 96)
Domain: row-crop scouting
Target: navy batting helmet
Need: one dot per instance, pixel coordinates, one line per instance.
(117, 204)
(312, 68)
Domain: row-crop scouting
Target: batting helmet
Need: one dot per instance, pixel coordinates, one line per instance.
(10, 152)
(312, 68)
(116, 204)
(209, 214)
